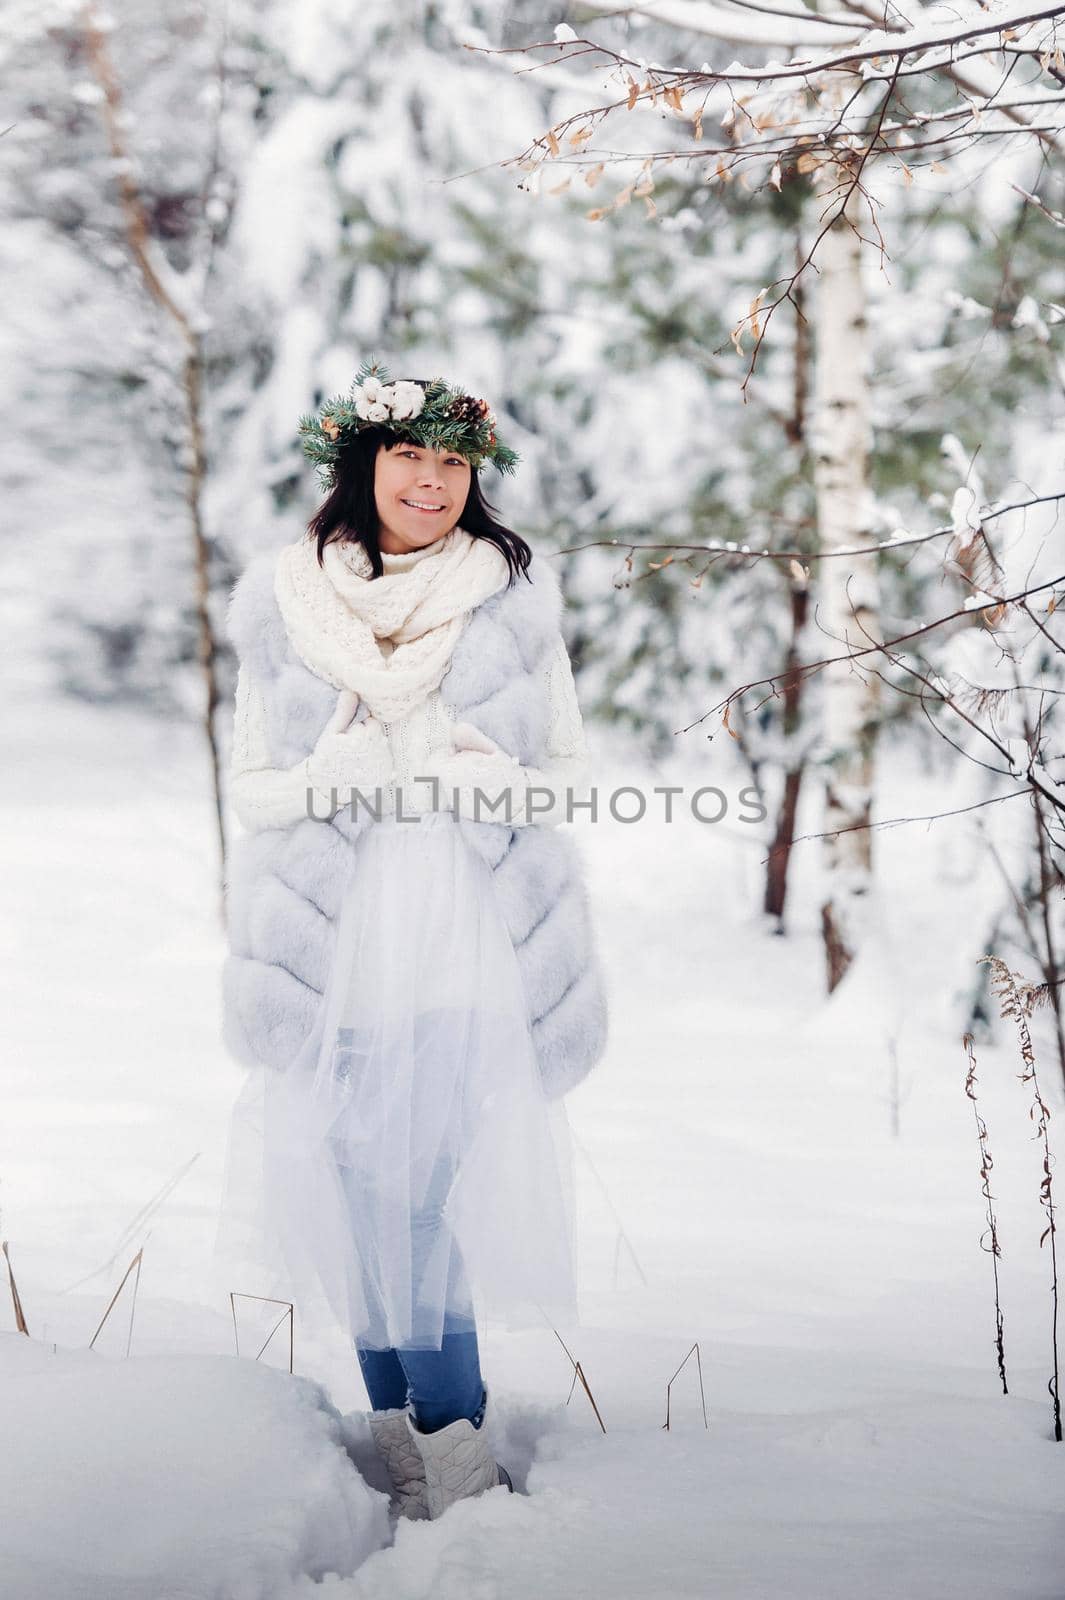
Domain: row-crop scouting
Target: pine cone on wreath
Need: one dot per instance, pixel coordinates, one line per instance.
(467, 408)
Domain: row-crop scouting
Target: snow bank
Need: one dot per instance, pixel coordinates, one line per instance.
(912, 1493)
(190, 1477)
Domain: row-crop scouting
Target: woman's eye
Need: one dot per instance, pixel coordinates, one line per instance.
(455, 461)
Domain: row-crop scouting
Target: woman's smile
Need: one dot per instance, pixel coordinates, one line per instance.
(427, 507)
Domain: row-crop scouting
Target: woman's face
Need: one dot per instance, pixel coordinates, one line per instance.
(408, 477)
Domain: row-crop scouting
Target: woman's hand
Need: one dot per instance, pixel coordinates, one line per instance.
(464, 736)
(349, 754)
(476, 763)
(475, 758)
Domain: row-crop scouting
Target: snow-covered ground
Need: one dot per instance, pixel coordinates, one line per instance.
(793, 1185)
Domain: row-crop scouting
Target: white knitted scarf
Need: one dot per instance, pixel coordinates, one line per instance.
(335, 615)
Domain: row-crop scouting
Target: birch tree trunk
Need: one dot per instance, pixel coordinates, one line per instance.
(848, 602)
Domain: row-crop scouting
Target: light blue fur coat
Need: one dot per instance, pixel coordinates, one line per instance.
(284, 886)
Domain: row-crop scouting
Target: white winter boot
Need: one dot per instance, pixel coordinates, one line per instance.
(457, 1462)
(400, 1455)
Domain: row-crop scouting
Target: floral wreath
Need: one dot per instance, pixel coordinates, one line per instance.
(430, 414)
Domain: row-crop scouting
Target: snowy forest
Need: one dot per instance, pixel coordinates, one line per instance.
(770, 299)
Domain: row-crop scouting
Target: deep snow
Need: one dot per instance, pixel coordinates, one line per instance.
(741, 1185)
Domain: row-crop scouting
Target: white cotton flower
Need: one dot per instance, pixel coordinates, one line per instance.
(366, 394)
(376, 412)
(407, 400)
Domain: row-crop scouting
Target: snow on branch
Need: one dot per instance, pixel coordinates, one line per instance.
(764, 24)
(833, 117)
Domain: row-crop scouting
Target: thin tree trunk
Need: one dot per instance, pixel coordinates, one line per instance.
(170, 292)
(1049, 888)
(848, 600)
(195, 479)
(776, 879)
(776, 882)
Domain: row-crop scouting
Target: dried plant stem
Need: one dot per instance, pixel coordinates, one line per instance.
(289, 1316)
(986, 1165)
(694, 1351)
(578, 1372)
(135, 1263)
(1016, 999)
(622, 1236)
(20, 1320)
(138, 1221)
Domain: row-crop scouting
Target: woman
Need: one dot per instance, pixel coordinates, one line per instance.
(411, 950)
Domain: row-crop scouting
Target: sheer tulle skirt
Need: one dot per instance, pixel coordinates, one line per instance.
(408, 1164)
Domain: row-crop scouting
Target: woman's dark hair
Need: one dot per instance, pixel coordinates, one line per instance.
(349, 511)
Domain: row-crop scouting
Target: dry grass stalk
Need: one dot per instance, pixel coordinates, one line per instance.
(136, 1224)
(1016, 1000)
(20, 1320)
(622, 1236)
(702, 1392)
(986, 1165)
(136, 1262)
(288, 1315)
(578, 1372)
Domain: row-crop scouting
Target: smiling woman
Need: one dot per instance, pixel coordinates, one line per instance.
(424, 996)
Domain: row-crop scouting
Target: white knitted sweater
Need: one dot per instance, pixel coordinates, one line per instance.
(271, 797)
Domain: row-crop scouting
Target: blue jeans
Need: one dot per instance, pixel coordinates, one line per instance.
(441, 1385)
